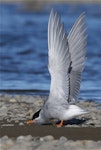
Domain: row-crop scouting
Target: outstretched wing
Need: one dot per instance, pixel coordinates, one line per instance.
(77, 49)
(59, 60)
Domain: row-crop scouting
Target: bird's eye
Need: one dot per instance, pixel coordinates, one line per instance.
(36, 115)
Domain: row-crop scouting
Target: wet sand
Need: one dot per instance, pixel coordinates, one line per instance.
(71, 133)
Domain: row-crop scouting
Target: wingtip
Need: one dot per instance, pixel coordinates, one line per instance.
(82, 16)
(51, 14)
(52, 11)
(83, 13)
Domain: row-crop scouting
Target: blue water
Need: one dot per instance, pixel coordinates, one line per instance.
(23, 47)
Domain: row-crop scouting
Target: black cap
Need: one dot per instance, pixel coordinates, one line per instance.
(36, 115)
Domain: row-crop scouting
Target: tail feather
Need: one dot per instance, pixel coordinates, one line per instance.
(74, 111)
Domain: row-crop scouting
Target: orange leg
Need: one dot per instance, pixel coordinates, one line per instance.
(60, 124)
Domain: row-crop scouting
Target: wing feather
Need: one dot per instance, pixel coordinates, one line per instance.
(77, 48)
(59, 58)
(66, 54)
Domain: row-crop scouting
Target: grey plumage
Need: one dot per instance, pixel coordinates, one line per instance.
(59, 58)
(77, 49)
(67, 55)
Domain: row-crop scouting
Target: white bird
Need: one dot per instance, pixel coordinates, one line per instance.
(67, 56)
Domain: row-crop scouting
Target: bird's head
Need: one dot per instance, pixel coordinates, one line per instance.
(37, 118)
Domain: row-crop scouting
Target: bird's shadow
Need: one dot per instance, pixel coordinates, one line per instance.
(74, 121)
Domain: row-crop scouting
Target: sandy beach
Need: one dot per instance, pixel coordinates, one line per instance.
(84, 131)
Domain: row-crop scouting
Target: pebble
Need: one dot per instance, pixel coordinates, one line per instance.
(7, 125)
(20, 138)
(63, 139)
(21, 124)
(47, 138)
(12, 100)
(3, 111)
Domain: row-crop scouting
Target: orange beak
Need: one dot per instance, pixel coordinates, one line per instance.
(30, 121)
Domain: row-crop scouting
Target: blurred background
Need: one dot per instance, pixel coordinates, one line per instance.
(24, 49)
